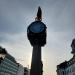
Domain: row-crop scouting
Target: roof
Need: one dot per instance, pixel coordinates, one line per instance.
(2, 50)
(66, 64)
(62, 65)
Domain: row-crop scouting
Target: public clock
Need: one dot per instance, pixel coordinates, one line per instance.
(36, 33)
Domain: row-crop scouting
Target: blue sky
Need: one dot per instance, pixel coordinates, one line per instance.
(59, 17)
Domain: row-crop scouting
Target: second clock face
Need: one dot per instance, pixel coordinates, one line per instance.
(37, 27)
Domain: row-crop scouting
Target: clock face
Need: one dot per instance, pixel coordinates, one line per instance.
(37, 27)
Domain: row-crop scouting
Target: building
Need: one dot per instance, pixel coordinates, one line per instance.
(20, 69)
(68, 67)
(26, 71)
(8, 64)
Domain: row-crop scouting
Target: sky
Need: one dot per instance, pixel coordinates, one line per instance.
(59, 17)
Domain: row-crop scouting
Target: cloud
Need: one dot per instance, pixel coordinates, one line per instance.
(13, 15)
(60, 15)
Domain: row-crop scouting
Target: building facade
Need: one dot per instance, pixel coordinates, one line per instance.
(26, 71)
(68, 67)
(8, 64)
(20, 69)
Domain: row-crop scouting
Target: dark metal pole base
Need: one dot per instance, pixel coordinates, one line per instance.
(36, 65)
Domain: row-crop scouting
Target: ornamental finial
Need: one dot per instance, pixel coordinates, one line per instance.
(39, 14)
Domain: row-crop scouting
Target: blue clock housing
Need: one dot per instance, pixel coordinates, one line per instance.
(36, 33)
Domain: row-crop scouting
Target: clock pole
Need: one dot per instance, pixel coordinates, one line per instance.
(36, 33)
(36, 64)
